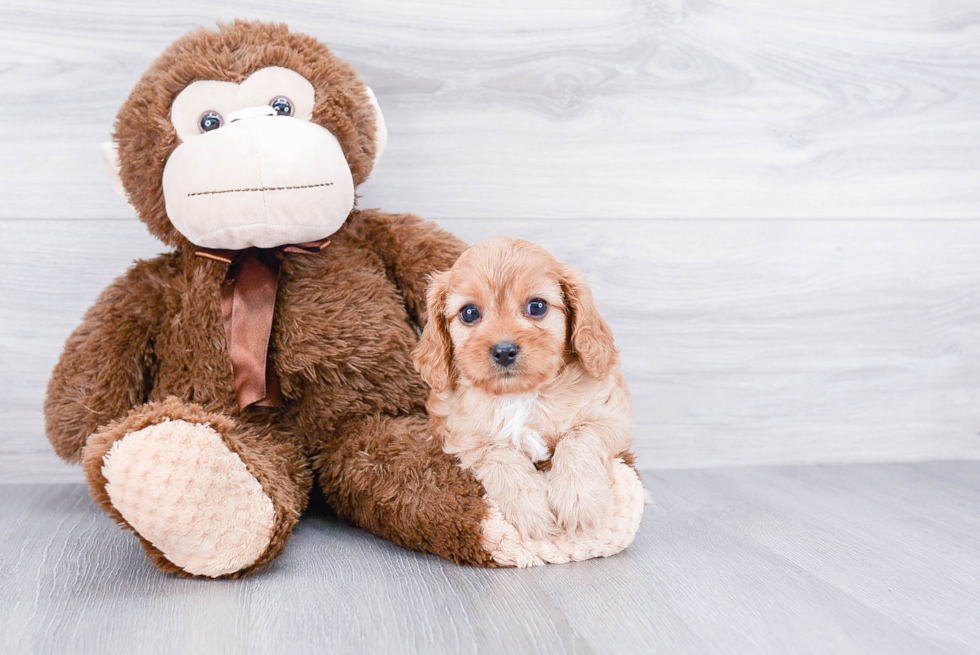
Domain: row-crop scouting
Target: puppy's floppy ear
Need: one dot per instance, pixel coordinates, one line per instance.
(433, 356)
(589, 335)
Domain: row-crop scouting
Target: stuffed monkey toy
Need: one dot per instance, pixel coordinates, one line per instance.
(208, 389)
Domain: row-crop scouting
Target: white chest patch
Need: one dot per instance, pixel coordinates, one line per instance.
(516, 413)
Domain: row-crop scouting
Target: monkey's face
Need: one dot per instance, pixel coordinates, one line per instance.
(251, 169)
(259, 142)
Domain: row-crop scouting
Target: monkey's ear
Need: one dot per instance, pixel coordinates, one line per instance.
(381, 133)
(110, 157)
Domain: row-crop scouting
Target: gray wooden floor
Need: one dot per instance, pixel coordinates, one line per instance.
(875, 558)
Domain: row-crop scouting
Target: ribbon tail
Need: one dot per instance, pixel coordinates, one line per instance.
(248, 326)
(273, 396)
(248, 304)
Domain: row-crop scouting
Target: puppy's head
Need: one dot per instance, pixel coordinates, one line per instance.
(505, 319)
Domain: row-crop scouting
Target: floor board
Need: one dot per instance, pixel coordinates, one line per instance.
(558, 108)
(744, 342)
(879, 558)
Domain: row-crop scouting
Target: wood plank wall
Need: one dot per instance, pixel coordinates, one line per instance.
(778, 203)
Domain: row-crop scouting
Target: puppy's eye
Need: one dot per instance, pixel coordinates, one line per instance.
(210, 120)
(536, 308)
(282, 105)
(469, 314)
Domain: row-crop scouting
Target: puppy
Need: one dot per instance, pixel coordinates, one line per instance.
(523, 370)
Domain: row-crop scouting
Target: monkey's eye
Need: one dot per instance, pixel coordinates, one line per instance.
(536, 307)
(469, 314)
(282, 105)
(210, 120)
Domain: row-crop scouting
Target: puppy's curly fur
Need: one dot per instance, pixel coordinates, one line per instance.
(561, 399)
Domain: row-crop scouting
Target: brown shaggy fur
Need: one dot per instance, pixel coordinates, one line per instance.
(346, 320)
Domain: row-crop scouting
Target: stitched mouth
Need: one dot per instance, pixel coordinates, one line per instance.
(260, 188)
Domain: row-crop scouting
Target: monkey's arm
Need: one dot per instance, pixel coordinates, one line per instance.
(104, 368)
(412, 249)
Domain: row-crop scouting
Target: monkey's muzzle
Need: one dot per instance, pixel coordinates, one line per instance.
(261, 180)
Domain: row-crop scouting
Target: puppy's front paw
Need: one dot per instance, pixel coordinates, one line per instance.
(529, 512)
(582, 499)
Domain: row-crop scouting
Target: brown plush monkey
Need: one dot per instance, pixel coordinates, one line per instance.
(207, 388)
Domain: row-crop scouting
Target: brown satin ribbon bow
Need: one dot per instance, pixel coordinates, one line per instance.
(248, 303)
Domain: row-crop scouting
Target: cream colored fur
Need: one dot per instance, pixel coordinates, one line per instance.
(561, 398)
(184, 491)
(508, 548)
(585, 422)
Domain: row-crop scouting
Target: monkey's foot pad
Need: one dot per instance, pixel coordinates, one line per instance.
(506, 546)
(180, 487)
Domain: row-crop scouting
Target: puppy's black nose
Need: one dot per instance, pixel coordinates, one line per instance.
(505, 353)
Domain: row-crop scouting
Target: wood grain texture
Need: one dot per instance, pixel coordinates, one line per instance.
(613, 133)
(559, 108)
(744, 342)
(828, 559)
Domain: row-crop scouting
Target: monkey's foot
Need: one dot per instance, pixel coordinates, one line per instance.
(181, 488)
(507, 548)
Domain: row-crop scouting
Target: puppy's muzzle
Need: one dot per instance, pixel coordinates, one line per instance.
(505, 353)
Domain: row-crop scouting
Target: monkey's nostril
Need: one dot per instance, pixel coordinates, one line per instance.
(505, 353)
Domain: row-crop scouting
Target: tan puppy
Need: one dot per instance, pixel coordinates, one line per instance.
(523, 369)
